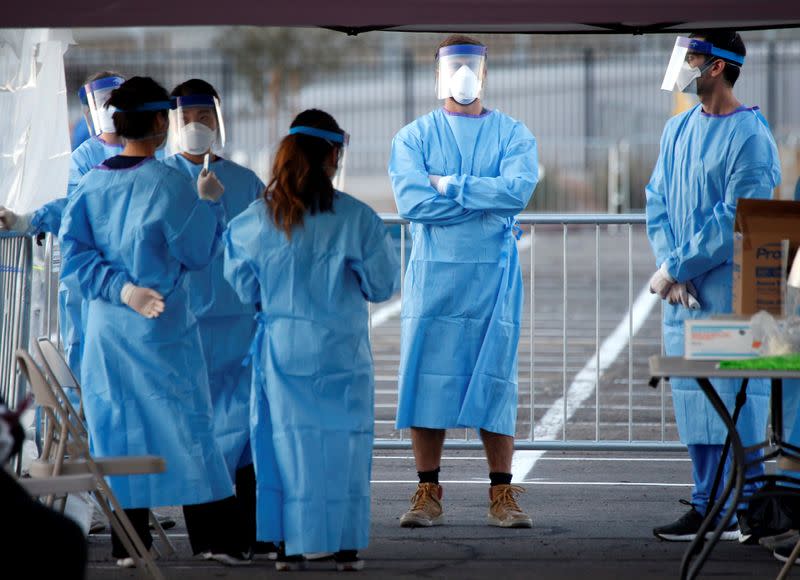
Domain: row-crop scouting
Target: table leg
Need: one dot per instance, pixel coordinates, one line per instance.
(741, 399)
(776, 410)
(735, 483)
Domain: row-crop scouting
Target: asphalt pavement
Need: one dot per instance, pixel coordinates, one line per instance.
(593, 514)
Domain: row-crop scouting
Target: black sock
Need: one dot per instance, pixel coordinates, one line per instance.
(346, 556)
(429, 476)
(499, 478)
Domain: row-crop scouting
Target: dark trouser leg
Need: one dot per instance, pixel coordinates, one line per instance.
(214, 527)
(140, 519)
(246, 498)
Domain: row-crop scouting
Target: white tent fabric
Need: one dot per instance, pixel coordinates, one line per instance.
(34, 138)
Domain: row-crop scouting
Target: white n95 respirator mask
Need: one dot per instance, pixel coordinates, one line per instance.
(465, 86)
(197, 138)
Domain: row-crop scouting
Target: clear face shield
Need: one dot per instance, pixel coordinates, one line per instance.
(690, 58)
(460, 70)
(94, 95)
(340, 140)
(197, 124)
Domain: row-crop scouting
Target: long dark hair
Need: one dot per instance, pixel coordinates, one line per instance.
(129, 95)
(194, 87)
(300, 181)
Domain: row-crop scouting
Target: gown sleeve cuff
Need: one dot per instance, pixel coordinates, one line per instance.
(115, 290)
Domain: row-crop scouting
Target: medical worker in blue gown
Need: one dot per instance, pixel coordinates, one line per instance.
(460, 174)
(711, 155)
(791, 434)
(312, 257)
(131, 231)
(226, 324)
(102, 144)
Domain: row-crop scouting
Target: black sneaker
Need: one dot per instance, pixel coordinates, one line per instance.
(772, 542)
(284, 563)
(348, 561)
(755, 525)
(267, 549)
(746, 534)
(784, 550)
(685, 528)
(167, 523)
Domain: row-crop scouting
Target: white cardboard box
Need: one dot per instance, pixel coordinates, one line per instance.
(719, 339)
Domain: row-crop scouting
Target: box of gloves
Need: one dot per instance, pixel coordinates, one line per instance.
(766, 235)
(723, 338)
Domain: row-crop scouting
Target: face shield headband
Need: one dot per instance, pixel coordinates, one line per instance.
(340, 138)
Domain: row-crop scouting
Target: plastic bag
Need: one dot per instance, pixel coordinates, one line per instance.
(776, 338)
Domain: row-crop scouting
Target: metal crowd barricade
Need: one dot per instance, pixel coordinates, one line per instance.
(624, 439)
(15, 308)
(29, 305)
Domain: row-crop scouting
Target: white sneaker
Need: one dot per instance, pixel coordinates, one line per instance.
(129, 562)
(351, 566)
(229, 559)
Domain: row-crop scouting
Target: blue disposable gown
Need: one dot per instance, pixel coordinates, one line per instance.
(313, 412)
(71, 309)
(220, 314)
(706, 163)
(85, 157)
(462, 299)
(145, 383)
(791, 389)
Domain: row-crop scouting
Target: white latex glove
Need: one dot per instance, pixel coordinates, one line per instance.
(208, 186)
(661, 282)
(439, 182)
(685, 295)
(145, 301)
(678, 294)
(13, 222)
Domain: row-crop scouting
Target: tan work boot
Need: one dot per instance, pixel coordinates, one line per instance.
(504, 511)
(426, 507)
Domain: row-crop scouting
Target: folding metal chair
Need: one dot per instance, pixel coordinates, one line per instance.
(62, 377)
(65, 421)
(58, 485)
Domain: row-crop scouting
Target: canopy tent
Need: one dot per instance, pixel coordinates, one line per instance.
(356, 16)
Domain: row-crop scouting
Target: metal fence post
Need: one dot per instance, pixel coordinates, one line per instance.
(408, 85)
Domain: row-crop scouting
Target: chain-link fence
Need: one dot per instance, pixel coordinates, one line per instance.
(597, 111)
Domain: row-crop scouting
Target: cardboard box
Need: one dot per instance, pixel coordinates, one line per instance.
(760, 256)
(719, 339)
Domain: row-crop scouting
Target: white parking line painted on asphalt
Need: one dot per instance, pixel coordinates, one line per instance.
(533, 483)
(583, 385)
(384, 313)
(175, 535)
(581, 459)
